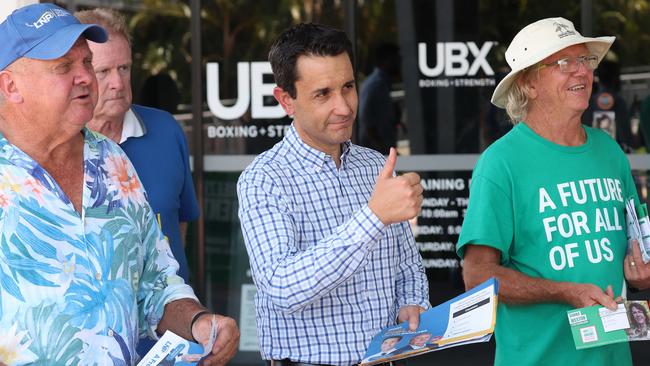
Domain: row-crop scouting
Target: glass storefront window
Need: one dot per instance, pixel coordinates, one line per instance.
(451, 57)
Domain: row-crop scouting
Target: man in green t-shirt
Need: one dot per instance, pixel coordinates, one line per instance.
(546, 212)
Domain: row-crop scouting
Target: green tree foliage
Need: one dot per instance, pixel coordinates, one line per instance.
(243, 30)
(628, 21)
(231, 31)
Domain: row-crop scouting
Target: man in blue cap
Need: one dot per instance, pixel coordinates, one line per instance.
(84, 267)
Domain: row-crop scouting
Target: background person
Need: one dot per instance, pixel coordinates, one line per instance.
(548, 168)
(607, 108)
(84, 266)
(324, 220)
(378, 114)
(151, 138)
(160, 91)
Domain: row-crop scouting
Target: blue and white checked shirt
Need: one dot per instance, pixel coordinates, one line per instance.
(328, 274)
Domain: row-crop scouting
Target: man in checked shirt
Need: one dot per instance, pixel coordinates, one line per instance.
(324, 220)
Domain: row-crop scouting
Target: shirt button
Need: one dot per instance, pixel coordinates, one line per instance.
(98, 276)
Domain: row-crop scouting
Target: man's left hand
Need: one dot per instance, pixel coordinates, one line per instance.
(411, 314)
(636, 272)
(227, 342)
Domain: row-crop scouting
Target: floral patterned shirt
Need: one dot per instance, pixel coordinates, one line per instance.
(79, 289)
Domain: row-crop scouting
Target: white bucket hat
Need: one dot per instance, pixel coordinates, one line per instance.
(539, 40)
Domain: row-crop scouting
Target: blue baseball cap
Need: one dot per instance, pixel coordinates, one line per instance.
(43, 32)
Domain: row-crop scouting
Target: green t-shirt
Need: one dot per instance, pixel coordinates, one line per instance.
(554, 212)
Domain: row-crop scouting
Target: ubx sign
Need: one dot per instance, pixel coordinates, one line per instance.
(452, 59)
(251, 91)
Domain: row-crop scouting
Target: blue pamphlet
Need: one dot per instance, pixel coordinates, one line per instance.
(467, 318)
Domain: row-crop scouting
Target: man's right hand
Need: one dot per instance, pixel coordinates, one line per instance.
(227, 342)
(395, 199)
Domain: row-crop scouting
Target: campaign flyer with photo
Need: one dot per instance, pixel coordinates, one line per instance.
(595, 326)
(467, 318)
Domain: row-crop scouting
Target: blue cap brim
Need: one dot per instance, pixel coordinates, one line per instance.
(59, 43)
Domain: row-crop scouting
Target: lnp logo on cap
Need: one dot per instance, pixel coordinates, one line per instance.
(47, 16)
(563, 30)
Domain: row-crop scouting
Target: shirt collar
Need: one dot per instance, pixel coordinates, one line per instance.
(17, 157)
(312, 157)
(132, 127)
(345, 152)
(91, 136)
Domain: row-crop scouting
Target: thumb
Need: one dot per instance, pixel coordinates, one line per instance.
(414, 321)
(609, 291)
(389, 166)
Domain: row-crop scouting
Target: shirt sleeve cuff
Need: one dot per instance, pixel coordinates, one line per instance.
(423, 303)
(371, 229)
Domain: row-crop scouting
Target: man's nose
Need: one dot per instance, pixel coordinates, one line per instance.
(582, 67)
(342, 105)
(115, 80)
(85, 75)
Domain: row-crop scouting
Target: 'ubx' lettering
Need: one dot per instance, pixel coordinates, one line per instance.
(451, 58)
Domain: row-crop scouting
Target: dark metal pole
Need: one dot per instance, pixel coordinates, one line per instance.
(197, 148)
(446, 101)
(350, 24)
(408, 45)
(586, 18)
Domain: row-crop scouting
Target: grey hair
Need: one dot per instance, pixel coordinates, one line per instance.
(112, 21)
(518, 97)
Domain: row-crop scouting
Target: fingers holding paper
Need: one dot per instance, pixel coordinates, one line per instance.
(226, 342)
(410, 314)
(581, 295)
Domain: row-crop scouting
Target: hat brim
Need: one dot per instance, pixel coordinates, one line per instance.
(59, 43)
(597, 46)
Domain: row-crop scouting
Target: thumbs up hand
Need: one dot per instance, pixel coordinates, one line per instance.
(395, 199)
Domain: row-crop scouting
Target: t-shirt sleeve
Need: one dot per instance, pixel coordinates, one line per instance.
(489, 218)
(630, 187)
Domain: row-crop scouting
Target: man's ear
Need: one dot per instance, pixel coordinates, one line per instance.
(528, 85)
(8, 87)
(531, 90)
(285, 100)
